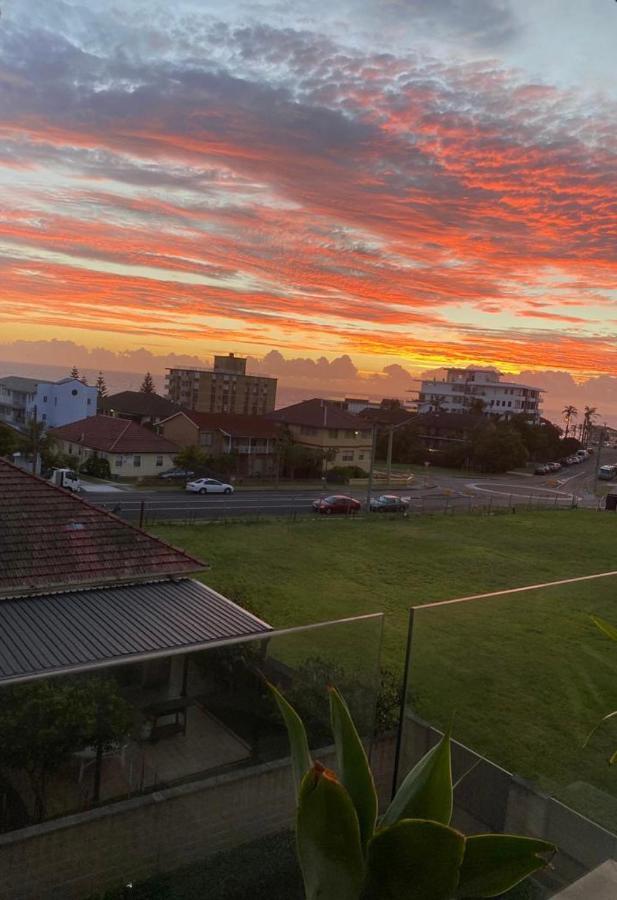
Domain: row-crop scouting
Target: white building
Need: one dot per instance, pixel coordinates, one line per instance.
(53, 402)
(466, 390)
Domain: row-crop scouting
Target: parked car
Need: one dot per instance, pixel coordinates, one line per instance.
(337, 504)
(176, 475)
(607, 473)
(389, 503)
(541, 470)
(554, 466)
(209, 486)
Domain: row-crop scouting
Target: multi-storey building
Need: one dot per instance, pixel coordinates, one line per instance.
(481, 391)
(225, 389)
(54, 403)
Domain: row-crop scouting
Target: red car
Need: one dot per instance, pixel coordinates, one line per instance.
(337, 503)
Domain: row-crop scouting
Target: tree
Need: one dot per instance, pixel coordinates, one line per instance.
(147, 385)
(44, 722)
(101, 386)
(39, 444)
(476, 406)
(83, 379)
(499, 448)
(9, 441)
(74, 372)
(589, 417)
(569, 413)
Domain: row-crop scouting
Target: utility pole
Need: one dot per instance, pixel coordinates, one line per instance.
(35, 441)
(370, 471)
(389, 454)
(599, 454)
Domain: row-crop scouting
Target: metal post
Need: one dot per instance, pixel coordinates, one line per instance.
(35, 441)
(369, 488)
(401, 723)
(142, 509)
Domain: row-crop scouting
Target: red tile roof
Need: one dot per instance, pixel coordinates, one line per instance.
(317, 414)
(112, 435)
(52, 540)
(234, 424)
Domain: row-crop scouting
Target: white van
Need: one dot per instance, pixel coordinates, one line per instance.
(66, 478)
(606, 473)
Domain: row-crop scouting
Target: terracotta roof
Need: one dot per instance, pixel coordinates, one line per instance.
(139, 403)
(386, 416)
(317, 413)
(234, 424)
(51, 539)
(113, 435)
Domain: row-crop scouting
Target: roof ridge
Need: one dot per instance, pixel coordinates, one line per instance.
(122, 433)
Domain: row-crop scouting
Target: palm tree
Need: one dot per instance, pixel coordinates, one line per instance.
(589, 417)
(569, 412)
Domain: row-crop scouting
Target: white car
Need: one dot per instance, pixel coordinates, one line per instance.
(209, 486)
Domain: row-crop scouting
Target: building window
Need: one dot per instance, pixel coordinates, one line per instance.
(159, 460)
(45, 399)
(333, 432)
(347, 457)
(360, 456)
(89, 401)
(205, 438)
(137, 461)
(44, 417)
(74, 392)
(118, 462)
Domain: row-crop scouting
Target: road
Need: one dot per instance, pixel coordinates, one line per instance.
(573, 485)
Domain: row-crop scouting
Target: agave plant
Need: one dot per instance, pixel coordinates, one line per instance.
(412, 852)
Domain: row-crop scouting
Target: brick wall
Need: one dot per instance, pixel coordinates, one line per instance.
(93, 851)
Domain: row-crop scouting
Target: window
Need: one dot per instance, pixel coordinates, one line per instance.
(347, 457)
(44, 417)
(118, 462)
(89, 401)
(205, 438)
(74, 392)
(159, 460)
(45, 398)
(333, 432)
(360, 456)
(137, 461)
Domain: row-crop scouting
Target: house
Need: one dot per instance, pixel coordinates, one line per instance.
(131, 450)
(437, 431)
(84, 593)
(323, 426)
(463, 389)
(225, 389)
(252, 439)
(139, 406)
(55, 403)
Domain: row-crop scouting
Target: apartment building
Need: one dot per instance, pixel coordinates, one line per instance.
(54, 403)
(482, 391)
(224, 389)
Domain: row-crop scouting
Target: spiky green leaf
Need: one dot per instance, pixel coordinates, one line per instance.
(301, 760)
(414, 859)
(606, 627)
(353, 766)
(328, 838)
(494, 863)
(426, 792)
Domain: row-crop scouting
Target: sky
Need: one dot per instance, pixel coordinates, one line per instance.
(397, 184)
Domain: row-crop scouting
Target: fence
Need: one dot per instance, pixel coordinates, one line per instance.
(151, 512)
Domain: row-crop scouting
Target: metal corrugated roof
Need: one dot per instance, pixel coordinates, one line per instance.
(84, 628)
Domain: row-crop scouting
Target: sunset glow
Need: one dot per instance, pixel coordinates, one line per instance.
(432, 191)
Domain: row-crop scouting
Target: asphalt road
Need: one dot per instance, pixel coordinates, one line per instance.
(572, 485)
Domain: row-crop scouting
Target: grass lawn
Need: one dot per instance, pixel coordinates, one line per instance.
(525, 677)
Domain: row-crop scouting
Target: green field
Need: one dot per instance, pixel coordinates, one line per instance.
(525, 676)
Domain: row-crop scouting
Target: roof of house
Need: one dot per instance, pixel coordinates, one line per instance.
(140, 403)
(384, 415)
(83, 628)
(316, 413)
(233, 424)
(51, 540)
(112, 435)
(21, 383)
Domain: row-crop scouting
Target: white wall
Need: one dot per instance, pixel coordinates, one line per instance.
(62, 403)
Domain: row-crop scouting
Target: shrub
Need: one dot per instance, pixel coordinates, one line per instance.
(96, 467)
